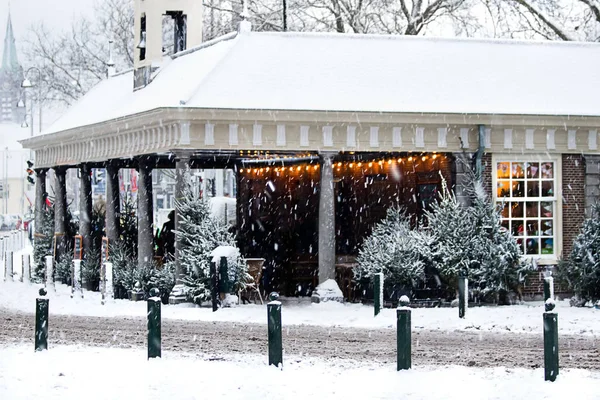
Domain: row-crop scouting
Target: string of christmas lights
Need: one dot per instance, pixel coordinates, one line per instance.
(350, 164)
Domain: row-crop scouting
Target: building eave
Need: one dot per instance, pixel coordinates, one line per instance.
(167, 115)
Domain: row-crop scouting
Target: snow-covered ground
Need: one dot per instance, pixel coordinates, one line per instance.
(520, 318)
(71, 372)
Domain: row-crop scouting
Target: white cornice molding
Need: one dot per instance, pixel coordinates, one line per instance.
(165, 116)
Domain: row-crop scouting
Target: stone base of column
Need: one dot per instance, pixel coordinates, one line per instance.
(327, 291)
(178, 295)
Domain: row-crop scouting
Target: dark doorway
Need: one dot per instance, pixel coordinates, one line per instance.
(279, 209)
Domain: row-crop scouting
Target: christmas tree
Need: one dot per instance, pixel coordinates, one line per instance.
(64, 263)
(394, 249)
(128, 229)
(42, 245)
(91, 259)
(450, 228)
(582, 267)
(123, 253)
(200, 234)
(495, 254)
(450, 241)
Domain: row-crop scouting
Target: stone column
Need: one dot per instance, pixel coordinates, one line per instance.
(60, 212)
(40, 199)
(219, 182)
(326, 221)
(145, 213)
(182, 171)
(592, 181)
(329, 291)
(85, 206)
(113, 203)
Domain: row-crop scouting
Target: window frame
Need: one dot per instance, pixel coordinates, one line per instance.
(556, 199)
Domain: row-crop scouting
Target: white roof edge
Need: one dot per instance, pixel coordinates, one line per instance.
(49, 135)
(128, 70)
(206, 44)
(408, 112)
(381, 36)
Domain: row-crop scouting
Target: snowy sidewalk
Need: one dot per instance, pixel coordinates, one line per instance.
(525, 318)
(71, 372)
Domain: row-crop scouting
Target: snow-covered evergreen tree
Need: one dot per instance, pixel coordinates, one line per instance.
(394, 249)
(471, 240)
(128, 228)
(123, 253)
(452, 239)
(42, 244)
(90, 268)
(494, 247)
(124, 267)
(62, 268)
(582, 267)
(450, 229)
(201, 234)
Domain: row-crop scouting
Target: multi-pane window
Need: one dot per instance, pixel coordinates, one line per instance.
(526, 193)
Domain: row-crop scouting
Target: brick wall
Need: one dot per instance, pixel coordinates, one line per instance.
(573, 191)
(486, 162)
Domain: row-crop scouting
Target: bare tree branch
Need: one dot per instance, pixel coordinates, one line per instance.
(594, 8)
(544, 18)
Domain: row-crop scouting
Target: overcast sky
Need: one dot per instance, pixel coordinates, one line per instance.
(55, 14)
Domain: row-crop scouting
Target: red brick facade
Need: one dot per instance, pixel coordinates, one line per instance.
(486, 163)
(573, 198)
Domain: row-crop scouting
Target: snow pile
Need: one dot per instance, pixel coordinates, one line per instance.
(327, 291)
(224, 251)
(230, 300)
(70, 372)
(18, 262)
(525, 318)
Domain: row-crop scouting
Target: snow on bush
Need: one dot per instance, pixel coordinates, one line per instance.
(471, 240)
(581, 269)
(201, 233)
(394, 249)
(450, 240)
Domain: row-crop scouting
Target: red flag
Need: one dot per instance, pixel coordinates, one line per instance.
(134, 182)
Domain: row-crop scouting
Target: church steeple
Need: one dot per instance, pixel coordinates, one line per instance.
(11, 76)
(10, 61)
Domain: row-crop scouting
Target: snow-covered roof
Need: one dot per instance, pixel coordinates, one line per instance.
(13, 157)
(360, 73)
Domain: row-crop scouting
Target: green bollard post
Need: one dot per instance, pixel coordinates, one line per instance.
(463, 290)
(378, 292)
(274, 331)
(154, 337)
(41, 322)
(223, 276)
(403, 332)
(214, 286)
(548, 287)
(550, 342)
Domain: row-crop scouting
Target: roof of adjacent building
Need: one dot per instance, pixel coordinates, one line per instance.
(359, 73)
(12, 154)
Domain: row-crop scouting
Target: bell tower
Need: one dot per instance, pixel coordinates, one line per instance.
(186, 18)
